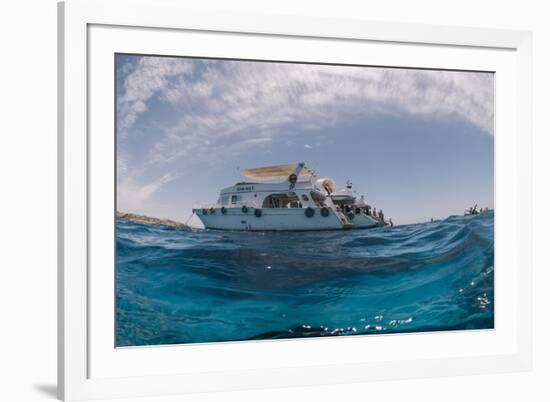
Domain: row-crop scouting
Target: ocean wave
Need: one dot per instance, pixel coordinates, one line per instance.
(181, 285)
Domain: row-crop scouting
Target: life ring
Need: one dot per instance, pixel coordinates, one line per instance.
(204, 211)
(309, 212)
(258, 213)
(351, 215)
(224, 210)
(212, 211)
(325, 212)
(244, 209)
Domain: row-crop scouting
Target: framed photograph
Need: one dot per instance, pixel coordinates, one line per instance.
(252, 201)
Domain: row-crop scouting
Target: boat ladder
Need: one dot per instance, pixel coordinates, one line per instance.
(346, 224)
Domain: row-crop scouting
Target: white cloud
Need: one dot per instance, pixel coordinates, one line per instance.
(307, 146)
(260, 140)
(133, 196)
(244, 99)
(151, 76)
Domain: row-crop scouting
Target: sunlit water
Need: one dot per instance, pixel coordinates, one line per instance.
(184, 285)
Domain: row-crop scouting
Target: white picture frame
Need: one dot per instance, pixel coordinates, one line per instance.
(89, 365)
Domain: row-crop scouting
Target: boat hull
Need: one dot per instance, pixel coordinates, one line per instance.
(271, 219)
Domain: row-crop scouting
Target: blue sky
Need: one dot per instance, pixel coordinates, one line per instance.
(416, 143)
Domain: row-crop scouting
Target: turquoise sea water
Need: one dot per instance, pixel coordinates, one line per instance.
(185, 286)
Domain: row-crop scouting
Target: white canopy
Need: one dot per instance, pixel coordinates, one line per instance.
(277, 171)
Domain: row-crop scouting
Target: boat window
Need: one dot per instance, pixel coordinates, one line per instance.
(233, 199)
(304, 197)
(224, 200)
(281, 200)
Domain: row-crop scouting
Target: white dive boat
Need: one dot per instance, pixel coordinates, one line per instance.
(287, 198)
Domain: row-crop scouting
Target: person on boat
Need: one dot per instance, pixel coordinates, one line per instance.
(368, 210)
(381, 215)
(374, 212)
(327, 187)
(391, 223)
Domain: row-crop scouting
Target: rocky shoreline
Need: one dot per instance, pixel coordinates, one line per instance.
(147, 220)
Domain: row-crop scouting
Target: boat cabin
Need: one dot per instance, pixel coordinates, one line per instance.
(300, 188)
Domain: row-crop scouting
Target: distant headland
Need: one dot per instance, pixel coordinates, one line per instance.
(147, 220)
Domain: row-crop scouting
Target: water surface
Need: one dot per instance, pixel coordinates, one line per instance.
(187, 285)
